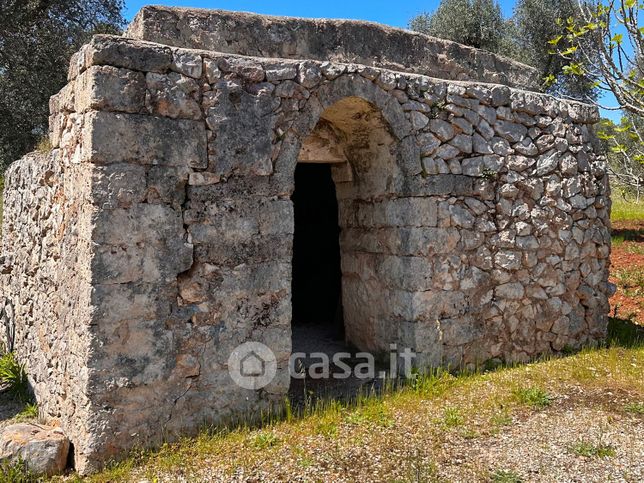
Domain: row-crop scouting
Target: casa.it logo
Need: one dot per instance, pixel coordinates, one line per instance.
(252, 365)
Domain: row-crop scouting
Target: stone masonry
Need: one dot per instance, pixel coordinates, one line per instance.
(157, 235)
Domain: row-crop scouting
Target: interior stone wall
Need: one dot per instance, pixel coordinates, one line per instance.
(478, 226)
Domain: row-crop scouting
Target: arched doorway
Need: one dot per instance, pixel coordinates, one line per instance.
(346, 163)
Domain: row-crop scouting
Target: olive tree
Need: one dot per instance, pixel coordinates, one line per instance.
(37, 38)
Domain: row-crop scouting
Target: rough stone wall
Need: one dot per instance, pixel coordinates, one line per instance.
(46, 281)
(349, 41)
(476, 229)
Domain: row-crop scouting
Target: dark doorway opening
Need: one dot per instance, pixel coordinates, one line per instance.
(317, 278)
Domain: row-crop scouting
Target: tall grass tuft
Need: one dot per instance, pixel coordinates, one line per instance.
(14, 377)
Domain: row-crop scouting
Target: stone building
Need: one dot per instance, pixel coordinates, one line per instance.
(157, 236)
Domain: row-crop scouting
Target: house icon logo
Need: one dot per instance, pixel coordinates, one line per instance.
(252, 365)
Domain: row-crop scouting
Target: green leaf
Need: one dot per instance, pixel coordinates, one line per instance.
(556, 40)
(617, 38)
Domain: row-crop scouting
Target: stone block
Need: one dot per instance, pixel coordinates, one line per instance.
(139, 139)
(106, 88)
(43, 449)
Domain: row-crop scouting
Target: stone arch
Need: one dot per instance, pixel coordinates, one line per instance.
(356, 127)
(346, 86)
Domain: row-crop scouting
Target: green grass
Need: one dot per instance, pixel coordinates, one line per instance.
(14, 376)
(16, 472)
(452, 417)
(30, 412)
(635, 408)
(533, 396)
(477, 403)
(591, 450)
(631, 280)
(623, 210)
(266, 440)
(505, 476)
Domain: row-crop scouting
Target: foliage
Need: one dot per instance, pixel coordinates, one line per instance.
(635, 408)
(625, 209)
(29, 412)
(613, 58)
(505, 476)
(37, 39)
(524, 37)
(536, 24)
(478, 23)
(17, 472)
(14, 376)
(605, 43)
(533, 396)
(625, 151)
(590, 450)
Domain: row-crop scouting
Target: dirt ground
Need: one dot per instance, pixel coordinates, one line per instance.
(627, 258)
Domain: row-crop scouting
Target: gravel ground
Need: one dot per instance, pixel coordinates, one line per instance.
(541, 449)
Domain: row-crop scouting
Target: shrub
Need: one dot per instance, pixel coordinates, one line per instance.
(14, 376)
(533, 396)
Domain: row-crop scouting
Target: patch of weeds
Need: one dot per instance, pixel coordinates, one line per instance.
(14, 376)
(436, 109)
(501, 419)
(44, 145)
(328, 429)
(420, 470)
(489, 174)
(431, 384)
(626, 210)
(374, 413)
(505, 476)
(631, 280)
(636, 408)
(470, 434)
(265, 440)
(16, 472)
(29, 412)
(590, 450)
(635, 249)
(533, 396)
(452, 417)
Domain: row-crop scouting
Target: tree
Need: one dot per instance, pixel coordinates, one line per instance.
(614, 56)
(477, 23)
(524, 37)
(625, 152)
(37, 38)
(606, 43)
(536, 24)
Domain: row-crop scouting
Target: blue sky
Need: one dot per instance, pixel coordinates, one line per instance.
(382, 11)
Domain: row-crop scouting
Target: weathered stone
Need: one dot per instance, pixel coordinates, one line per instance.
(187, 63)
(511, 291)
(246, 68)
(546, 164)
(418, 120)
(44, 450)
(173, 95)
(117, 138)
(442, 129)
(109, 88)
(278, 72)
(511, 131)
